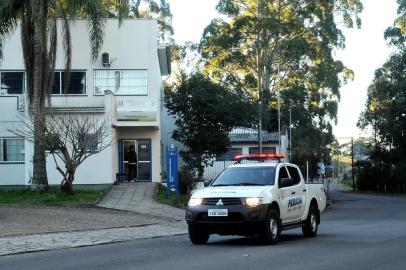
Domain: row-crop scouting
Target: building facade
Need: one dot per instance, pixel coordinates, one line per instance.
(124, 85)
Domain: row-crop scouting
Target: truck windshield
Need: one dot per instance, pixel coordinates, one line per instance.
(246, 176)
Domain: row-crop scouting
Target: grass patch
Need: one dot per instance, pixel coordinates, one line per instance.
(180, 201)
(52, 197)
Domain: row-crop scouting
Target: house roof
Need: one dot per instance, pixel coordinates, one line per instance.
(250, 135)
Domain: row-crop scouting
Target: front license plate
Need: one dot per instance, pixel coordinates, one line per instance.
(218, 212)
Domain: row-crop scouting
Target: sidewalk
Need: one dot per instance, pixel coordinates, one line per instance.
(50, 241)
(139, 198)
(30, 229)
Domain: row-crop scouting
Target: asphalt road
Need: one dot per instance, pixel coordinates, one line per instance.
(358, 232)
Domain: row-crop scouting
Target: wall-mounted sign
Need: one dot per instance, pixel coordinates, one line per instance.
(136, 109)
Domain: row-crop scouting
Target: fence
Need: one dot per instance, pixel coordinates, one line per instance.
(211, 172)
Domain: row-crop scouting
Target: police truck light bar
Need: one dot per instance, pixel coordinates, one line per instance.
(263, 156)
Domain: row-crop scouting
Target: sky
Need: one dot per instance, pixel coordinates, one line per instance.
(366, 50)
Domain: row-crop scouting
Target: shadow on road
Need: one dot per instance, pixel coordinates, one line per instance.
(253, 241)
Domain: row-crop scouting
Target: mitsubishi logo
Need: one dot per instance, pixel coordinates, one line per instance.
(220, 202)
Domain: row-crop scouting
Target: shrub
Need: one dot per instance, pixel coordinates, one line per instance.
(187, 181)
(373, 177)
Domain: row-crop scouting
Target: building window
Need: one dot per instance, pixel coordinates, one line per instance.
(11, 150)
(255, 150)
(230, 154)
(121, 82)
(12, 82)
(77, 83)
(91, 142)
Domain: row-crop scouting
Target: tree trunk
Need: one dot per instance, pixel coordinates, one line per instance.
(67, 183)
(39, 180)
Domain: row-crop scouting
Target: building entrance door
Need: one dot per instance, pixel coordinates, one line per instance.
(143, 150)
(126, 148)
(144, 160)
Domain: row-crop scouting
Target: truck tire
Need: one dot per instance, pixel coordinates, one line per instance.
(196, 236)
(311, 225)
(272, 228)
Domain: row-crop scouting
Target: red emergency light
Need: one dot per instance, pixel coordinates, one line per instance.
(258, 156)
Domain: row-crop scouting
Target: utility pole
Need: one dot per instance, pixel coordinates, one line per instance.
(290, 135)
(352, 164)
(260, 79)
(279, 120)
(260, 127)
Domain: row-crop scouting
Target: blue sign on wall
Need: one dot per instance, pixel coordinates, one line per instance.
(172, 169)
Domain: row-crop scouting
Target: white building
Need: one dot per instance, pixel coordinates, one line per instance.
(127, 90)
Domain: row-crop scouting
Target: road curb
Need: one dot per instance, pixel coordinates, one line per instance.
(62, 240)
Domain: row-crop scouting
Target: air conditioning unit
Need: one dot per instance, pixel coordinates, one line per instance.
(106, 59)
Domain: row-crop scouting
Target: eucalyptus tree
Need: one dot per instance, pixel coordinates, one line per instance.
(155, 9)
(39, 21)
(385, 108)
(266, 46)
(385, 114)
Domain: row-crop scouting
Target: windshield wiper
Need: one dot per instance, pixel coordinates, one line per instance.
(239, 184)
(248, 184)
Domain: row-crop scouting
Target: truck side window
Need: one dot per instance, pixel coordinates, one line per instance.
(294, 174)
(282, 174)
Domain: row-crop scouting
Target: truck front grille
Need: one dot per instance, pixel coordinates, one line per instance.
(225, 201)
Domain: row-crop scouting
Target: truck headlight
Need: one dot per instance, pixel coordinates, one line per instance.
(195, 202)
(252, 202)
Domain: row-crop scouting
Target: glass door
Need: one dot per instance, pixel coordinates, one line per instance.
(144, 159)
(126, 148)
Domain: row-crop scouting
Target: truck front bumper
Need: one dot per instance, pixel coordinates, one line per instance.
(241, 220)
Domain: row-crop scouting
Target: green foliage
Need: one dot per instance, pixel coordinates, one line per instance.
(311, 128)
(53, 197)
(385, 110)
(162, 197)
(384, 113)
(381, 176)
(285, 47)
(297, 36)
(396, 34)
(154, 9)
(187, 181)
(205, 113)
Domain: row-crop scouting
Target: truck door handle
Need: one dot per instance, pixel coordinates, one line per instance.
(293, 192)
(304, 190)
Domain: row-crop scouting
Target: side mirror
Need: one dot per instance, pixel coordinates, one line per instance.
(286, 182)
(207, 183)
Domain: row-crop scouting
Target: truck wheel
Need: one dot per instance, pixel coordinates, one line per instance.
(197, 237)
(272, 228)
(310, 226)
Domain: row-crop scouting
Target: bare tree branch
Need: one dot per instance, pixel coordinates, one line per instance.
(69, 137)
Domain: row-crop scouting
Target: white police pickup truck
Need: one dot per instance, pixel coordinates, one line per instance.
(251, 199)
